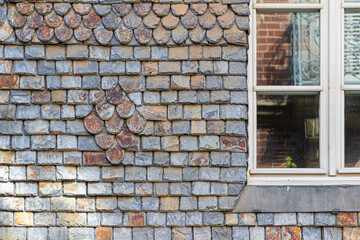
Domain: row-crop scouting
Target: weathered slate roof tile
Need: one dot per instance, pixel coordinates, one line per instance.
(102, 10)
(151, 20)
(82, 33)
(199, 8)
(72, 19)
(111, 21)
(25, 34)
(142, 9)
(161, 35)
(161, 10)
(53, 20)
(103, 35)
(82, 8)
(124, 23)
(63, 33)
(91, 20)
(35, 20)
(43, 8)
(24, 8)
(62, 8)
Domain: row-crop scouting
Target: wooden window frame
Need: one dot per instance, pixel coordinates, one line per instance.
(332, 119)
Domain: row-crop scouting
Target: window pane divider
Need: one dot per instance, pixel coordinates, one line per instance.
(351, 5)
(288, 88)
(349, 170)
(350, 87)
(298, 7)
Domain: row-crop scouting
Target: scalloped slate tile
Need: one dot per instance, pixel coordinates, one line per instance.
(43, 8)
(199, 8)
(103, 35)
(170, 21)
(161, 35)
(82, 8)
(122, 9)
(161, 10)
(62, 8)
(63, 33)
(189, 20)
(179, 9)
(82, 33)
(217, 8)
(72, 19)
(132, 20)
(114, 124)
(126, 109)
(25, 34)
(126, 139)
(142, 9)
(116, 95)
(235, 35)
(226, 20)
(24, 8)
(123, 34)
(111, 21)
(142, 34)
(93, 123)
(15, 19)
(45, 33)
(96, 96)
(115, 155)
(91, 20)
(151, 20)
(207, 21)
(102, 10)
(35, 20)
(105, 110)
(197, 34)
(179, 34)
(53, 20)
(136, 123)
(104, 140)
(215, 34)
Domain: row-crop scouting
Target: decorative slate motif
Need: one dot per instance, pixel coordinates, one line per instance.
(123, 23)
(116, 122)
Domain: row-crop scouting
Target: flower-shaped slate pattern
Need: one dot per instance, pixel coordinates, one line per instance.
(116, 122)
(124, 23)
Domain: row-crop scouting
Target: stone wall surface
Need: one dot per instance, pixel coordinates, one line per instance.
(127, 120)
(122, 120)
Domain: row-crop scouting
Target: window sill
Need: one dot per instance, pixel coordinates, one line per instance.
(292, 198)
(304, 181)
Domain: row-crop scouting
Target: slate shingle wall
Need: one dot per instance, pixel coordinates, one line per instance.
(121, 119)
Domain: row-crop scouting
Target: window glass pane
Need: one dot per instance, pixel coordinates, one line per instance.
(288, 48)
(288, 1)
(352, 46)
(352, 129)
(288, 130)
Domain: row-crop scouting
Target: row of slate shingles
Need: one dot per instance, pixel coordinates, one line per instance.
(124, 23)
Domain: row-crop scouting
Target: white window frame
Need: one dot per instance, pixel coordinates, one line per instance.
(331, 104)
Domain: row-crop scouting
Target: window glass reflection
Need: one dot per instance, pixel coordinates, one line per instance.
(288, 127)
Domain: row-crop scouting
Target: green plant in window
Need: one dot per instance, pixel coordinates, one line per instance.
(288, 163)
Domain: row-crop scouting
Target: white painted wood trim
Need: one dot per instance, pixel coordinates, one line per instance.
(288, 88)
(282, 171)
(288, 6)
(304, 181)
(350, 5)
